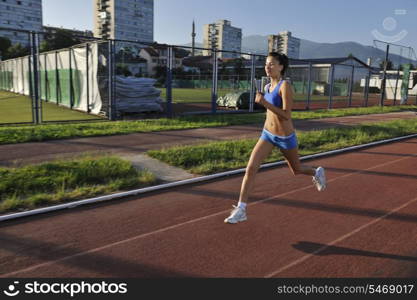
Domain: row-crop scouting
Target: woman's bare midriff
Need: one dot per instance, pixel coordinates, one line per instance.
(278, 126)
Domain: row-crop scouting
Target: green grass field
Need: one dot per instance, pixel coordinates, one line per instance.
(16, 108)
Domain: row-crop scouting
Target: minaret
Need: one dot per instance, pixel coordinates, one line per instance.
(193, 42)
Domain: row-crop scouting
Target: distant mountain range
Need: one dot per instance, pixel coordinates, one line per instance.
(308, 49)
(258, 44)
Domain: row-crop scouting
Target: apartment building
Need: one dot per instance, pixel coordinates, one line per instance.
(20, 15)
(284, 43)
(124, 19)
(222, 36)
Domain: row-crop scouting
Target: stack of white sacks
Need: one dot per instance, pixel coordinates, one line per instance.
(137, 95)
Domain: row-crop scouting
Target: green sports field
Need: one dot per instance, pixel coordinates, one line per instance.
(16, 108)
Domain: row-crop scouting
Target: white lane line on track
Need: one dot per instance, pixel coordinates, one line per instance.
(305, 257)
(48, 263)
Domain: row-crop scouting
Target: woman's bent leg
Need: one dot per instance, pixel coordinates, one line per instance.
(293, 161)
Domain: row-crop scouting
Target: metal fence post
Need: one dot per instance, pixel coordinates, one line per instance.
(23, 73)
(87, 62)
(70, 79)
(214, 83)
(57, 80)
(113, 80)
(46, 78)
(396, 85)
(416, 98)
(331, 87)
(310, 74)
(367, 83)
(40, 103)
(112, 110)
(40, 87)
(168, 84)
(384, 78)
(252, 86)
(35, 57)
(30, 68)
(114, 88)
(110, 80)
(351, 86)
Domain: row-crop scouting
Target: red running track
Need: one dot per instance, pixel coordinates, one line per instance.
(363, 225)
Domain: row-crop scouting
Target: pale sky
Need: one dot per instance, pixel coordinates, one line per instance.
(330, 21)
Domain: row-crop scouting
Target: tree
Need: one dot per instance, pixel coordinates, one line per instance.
(5, 44)
(160, 75)
(411, 67)
(179, 73)
(125, 54)
(17, 50)
(61, 39)
(223, 69)
(238, 66)
(122, 69)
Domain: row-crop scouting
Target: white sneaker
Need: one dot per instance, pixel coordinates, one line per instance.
(320, 179)
(238, 214)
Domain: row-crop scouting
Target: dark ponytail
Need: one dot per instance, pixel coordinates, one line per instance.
(282, 59)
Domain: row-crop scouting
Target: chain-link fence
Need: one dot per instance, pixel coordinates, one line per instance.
(398, 78)
(38, 86)
(68, 82)
(16, 79)
(121, 79)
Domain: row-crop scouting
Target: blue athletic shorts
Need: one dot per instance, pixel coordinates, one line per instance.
(282, 142)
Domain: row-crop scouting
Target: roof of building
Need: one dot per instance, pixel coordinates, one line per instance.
(181, 53)
(151, 51)
(154, 51)
(330, 61)
(199, 61)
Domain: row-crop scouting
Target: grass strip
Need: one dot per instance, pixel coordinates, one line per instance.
(216, 157)
(56, 182)
(21, 134)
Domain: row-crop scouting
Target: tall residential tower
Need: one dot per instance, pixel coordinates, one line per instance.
(23, 15)
(222, 36)
(284, 43)
(124, 19)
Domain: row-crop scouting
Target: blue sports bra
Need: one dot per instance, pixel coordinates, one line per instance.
(274, 98)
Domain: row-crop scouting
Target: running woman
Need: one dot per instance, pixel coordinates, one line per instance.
(278, 132)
